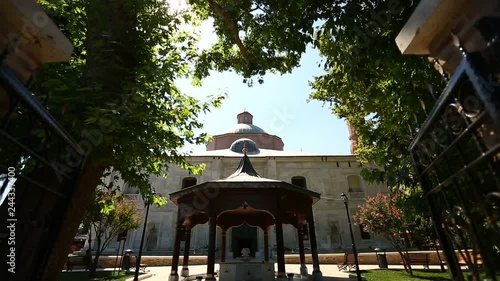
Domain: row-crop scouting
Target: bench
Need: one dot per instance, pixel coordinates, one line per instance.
(71, 262)
(348, 263)
(133, 263)
(478, 261)
(419, 259)
(438, 249)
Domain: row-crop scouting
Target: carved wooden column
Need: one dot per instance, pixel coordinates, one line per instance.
(317, 275)
(303, 268)
(223, 247)
(174, 275)
(266, 246)
(211, 248)
(187, 246)
(281, 251)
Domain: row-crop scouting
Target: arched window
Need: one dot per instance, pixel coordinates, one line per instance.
(187, 182)
(300, 181)
(354, 183)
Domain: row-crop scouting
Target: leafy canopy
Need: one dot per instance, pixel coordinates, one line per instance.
(367, 81)
(117, 93)
(257, 36)
(371, 84)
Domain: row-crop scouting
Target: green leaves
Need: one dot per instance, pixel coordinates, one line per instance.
(110, 214)
(269, 35)
(120, 81)
(366, 77)
(117, 93)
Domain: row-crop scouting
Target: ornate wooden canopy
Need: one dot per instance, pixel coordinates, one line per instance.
(245, 198)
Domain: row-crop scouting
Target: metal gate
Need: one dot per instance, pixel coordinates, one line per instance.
(456, 154)
(39, 164)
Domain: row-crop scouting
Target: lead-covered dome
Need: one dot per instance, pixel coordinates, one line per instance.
(245, 129)
(237, 146)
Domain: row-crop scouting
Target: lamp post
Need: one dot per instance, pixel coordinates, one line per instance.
(346, 203)
(138, 261)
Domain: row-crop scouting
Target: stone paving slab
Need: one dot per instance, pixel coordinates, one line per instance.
(330, 271)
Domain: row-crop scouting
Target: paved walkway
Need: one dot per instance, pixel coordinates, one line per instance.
(330, 271)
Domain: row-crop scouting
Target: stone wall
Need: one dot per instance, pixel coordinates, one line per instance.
(393, 258)
(109, 261)
(325, 175)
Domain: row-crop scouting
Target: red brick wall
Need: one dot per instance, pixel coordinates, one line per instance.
(263, 141)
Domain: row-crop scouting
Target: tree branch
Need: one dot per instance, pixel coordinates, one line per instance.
(232, 25)
(258, 7)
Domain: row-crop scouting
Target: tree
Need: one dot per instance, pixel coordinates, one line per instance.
(117, 97)
(377, 89)
(258, 36)
(383, 215)
(367, 80)
(108, 215)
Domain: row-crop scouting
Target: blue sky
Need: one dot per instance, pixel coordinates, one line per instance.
(279, 105)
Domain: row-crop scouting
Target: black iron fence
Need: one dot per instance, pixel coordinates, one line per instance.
(39, 164)
(457, 158)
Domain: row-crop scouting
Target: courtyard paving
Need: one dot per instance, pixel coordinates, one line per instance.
(330, 271)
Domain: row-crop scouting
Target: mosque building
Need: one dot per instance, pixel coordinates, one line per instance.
(328, 175)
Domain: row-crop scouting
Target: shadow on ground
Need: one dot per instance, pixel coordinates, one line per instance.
(334, 278)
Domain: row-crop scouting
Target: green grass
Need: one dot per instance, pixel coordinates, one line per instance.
(99, 276)
(401, 275)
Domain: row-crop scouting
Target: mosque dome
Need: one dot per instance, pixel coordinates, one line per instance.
(245, 125)
(237, 146)
(243, 128)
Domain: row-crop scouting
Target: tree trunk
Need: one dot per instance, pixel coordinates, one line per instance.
(90, 239)
(99, 249)
(405, 258)
(111, 56)
(94, 265)
(91, 265)
(84, 192)
(405, 245)
(44, 234)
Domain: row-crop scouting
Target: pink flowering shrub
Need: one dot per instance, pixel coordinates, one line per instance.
(381, 215)
(107, 216)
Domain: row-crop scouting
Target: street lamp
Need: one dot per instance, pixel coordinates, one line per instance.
(346, 203)
(138, 260)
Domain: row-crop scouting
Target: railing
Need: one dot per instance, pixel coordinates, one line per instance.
(43, 162)
(457, 158)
